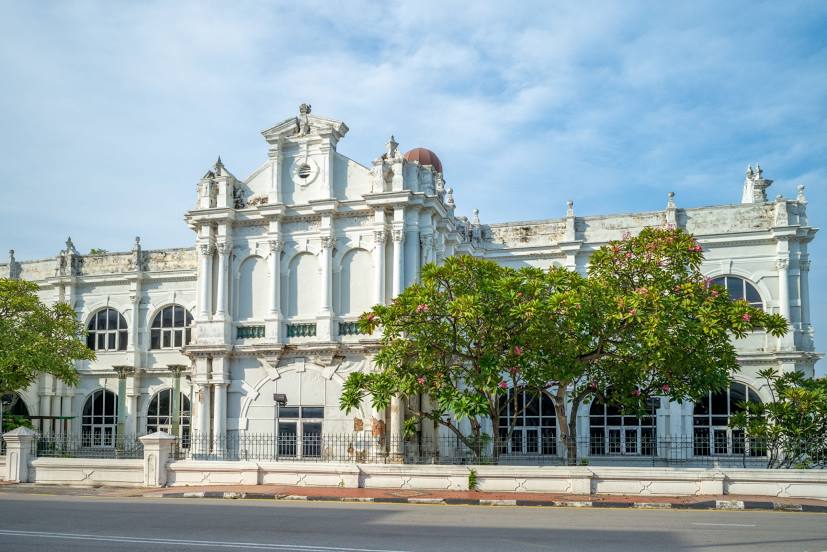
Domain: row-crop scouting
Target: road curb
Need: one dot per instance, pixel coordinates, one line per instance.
(727, 505)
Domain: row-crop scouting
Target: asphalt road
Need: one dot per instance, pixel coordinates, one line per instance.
(70, 523)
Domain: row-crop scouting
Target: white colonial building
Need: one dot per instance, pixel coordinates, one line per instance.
(286, 259)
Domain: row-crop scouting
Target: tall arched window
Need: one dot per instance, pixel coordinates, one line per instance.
(159, 414)
(611, 431)
(107, 331)
(100, 419)
(535, 428)
(171, 328)
(740, 289)
(712, 434)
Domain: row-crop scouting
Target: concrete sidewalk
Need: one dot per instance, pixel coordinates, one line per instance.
(404, 496)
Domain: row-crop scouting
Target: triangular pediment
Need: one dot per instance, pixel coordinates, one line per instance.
(305, 125)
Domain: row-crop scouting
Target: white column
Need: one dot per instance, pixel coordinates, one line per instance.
(220, 415)
(782, 264)
(205, 281)
(202, 397)
(327, 286)
(379, 266)
(221, 295)
(274, 260)
(804, 299)
(398, 267)
(412, 254)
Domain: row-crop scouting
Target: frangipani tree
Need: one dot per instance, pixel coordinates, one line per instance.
(644, 322)
(451, 337)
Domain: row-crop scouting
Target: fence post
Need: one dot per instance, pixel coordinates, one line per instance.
(18, 451)
(158, 448)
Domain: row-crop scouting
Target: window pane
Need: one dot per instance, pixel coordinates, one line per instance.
(189, 318)
(164, 407)
(166, 321)
(178, 338)
(153, 407)
(702, 406)
(112, 319)
(101, 342)
(90, 341)
(752, 294)
(92, 323)
(735, 286)
(156, 323)
(287, 428)
(155, 339)
(122, 339)
(189, 335)
(737, 395)
(101, 317)
(312, 412)
(720, 281)
(179, 317)
(719, 403)
(167, 339)
(289, 412)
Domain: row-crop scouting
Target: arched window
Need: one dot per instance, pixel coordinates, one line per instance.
(712, 434)
(740, 289)
(159, 414)
(535, 429)
(611, 431)
(100, 419)
(107, 331)
(171, 328)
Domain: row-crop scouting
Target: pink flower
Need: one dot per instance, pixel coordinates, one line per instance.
(665, 388)
(502, 384)
(636, 393)
(420, 380)
(629, 255)
(593, 384)
(422, 307)
(518, 351)
(715, 293)
(746, 317)
(642, 291)
(633, 312)
(514, 370)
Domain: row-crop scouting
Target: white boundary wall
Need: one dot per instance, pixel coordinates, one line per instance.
(156, 470)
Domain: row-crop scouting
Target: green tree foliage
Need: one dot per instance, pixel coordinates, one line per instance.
(450, 337)
(792, 427)
(36, 338)
(645, 322)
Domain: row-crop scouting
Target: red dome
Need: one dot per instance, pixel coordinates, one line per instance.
(425, 157)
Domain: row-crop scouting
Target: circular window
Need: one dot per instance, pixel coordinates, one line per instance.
(304, 171)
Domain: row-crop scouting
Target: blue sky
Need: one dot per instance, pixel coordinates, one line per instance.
(111, 111)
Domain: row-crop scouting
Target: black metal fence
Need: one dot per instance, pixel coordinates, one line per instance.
(87, 445)
(364, 447)
(735, 452)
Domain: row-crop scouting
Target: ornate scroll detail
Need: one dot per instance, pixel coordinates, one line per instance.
(782, 264)
(379, 236)
(205, 248)
(398, 235)
(328, 242)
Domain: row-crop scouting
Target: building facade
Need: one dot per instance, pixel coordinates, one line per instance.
(286, 260)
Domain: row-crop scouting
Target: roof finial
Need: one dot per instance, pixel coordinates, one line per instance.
(759, 172)
(801, 197)
(476, 218)
(569, 208)
(304, 109)
(449, 201)
(391, 148)
(670, 200)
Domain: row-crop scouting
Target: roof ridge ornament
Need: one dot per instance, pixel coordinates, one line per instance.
(755, 185)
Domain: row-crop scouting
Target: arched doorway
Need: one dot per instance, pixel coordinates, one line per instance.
(99, 422)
